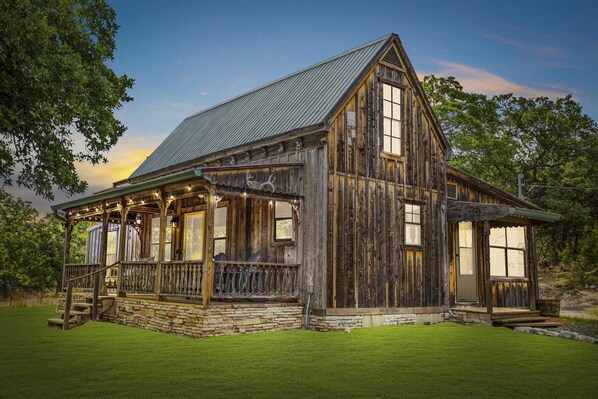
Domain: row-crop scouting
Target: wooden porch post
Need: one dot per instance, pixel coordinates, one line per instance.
(104, 245)
(122, 242)
(487, 267)
(68, 230)
(532, 266)
(208, 248)
(162, 242)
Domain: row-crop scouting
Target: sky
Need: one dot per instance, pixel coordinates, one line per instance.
(188, 55)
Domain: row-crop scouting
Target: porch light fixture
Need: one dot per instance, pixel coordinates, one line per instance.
(157, 194)
(189, 187)
(271, 202)
(138, 219)
(174, 222)
(142, 202)
(244, 193)
(131, 200)
(171, 196)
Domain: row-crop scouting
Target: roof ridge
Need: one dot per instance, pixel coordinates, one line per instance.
(343, 54)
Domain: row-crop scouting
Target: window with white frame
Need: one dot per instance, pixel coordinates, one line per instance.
(220, 230)
(392, 119)
(155, 238)
(413, 227)
(507, 252)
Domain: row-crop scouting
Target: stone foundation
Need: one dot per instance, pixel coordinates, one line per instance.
(197, 321)
(364, 318)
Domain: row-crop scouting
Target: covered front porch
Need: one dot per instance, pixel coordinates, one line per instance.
(493, 264)
(208, 235)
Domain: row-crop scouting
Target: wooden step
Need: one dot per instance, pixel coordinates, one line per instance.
(81, 305)
(59, 322)
(76, 313)
(531, 319)
(100, 297)
(515, 314)
(547, 324)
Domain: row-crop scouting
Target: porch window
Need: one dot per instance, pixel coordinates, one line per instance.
(413, 225)
(111, 248)
(466, 249)
(392, 118)
(220, 230)
(155, 238)
(194, 235)
(283, 221)
(507, 252)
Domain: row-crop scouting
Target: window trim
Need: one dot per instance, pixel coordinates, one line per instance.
(447, 190)
(274, 224)
(203, 236)
(506, 249)
(391, 117)
(157, 243)
(419, 224)
(225, 238)
(473, 250)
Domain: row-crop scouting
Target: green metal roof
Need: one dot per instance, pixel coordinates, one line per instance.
(303, 99)
(536, 214)
(130, 189)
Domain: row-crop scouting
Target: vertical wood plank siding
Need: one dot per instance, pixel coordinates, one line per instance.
(368, 263)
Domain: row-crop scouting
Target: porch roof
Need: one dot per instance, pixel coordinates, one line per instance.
(459, 211)
(129, 189)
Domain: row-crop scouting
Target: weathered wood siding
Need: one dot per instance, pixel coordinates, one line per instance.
(368, 262)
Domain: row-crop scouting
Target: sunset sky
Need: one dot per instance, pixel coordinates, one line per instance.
(188, 55)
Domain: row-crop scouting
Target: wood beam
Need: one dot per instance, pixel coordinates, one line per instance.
(104, 245)
(122, 243)
(68, 230)
(489, 301)
(163, 204)
(209, 246)
(532, 267)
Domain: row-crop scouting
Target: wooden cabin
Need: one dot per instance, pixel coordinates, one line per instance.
(323, 199)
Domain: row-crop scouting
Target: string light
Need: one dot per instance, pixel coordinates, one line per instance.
(189, 188)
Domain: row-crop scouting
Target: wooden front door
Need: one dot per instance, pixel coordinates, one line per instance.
(466, 265)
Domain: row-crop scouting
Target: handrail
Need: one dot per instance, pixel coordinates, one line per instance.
(229, 262)
(92, 273)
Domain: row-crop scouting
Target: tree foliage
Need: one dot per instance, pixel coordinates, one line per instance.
(57, 92)
(551, 142)
(31, 248)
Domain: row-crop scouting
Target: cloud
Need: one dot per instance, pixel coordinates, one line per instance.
(481, 81)
(550, 51)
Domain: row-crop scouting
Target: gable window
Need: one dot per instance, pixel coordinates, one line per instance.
(392, 119)
(283, 221)
(451, 190)
(413, 227)
(220, 230)
(155, 238)
(507, 252)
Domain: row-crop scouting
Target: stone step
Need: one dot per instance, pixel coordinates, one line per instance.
(530, 319)
(547, 324)
(59, 322)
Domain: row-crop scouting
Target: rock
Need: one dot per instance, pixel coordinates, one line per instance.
(552, 333)
(568, 335)
(586, 338)
(522, 329)
(348, 330)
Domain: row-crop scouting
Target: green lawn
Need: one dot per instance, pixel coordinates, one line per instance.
(104, 360)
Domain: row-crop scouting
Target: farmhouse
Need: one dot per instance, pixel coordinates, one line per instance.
(323, 199)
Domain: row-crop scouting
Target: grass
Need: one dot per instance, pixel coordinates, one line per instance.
(105, 360)
(593, 312)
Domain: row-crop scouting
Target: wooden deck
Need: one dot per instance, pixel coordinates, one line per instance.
(503, 317)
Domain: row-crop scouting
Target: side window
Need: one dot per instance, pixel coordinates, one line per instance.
(155, 239)
(220, 230)
(283, 221)
(507, 252)
(413, 227)
(392, 111)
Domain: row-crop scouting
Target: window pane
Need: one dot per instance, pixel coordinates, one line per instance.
(387, 126)
(387, 90)
(111, 249)
(416, 218)
(396, 111)
(167, 251)
(497, 262)
(396, 95)
(516, 237)
(387, 146)
(194, 236)
(409, 217)
(220, 223)
(465, 261)
(154, 251)
(387, 109)
(408, 208)
(465, 234)
(155, 230)
(396, 129)
(219, 246)
(396, 146)
(516, 263)
(282, 210)
(412, 234)
(497, 237)
(416, 209)
(284, 229)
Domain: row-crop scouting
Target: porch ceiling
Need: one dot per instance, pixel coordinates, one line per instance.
(460, 211)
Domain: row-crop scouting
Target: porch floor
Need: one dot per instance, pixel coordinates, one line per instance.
(198, 301)
(484, 310)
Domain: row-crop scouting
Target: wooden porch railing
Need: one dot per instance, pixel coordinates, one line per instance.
(255, 280)
(182, 278)
(512, 293)
(138, 277)
(80, 274)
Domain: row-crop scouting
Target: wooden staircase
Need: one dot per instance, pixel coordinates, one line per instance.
(81, 311)
(524, 318)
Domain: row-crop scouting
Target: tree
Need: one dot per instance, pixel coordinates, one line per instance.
(56, 90)
(551, 142)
